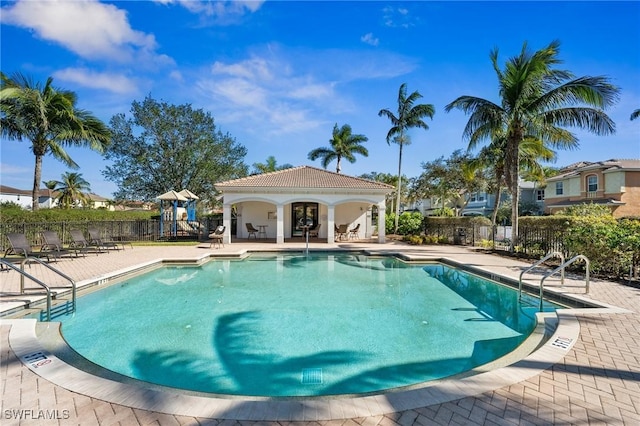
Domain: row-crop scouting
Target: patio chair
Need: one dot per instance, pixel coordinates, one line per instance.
(313, 232)
(217, 236)
(353, 233)
(19, 245)
(251, 230)
(95, 238)
(53, 245)
(80, 242)
(341, 232)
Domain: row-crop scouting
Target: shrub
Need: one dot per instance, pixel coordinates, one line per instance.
(408, 223)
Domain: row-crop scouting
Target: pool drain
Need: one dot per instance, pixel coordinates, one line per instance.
(312, 376)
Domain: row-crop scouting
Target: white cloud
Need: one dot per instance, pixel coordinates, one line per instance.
(89, 28)
(397, 17)
(217, 9)
(115, 83)
(369, 39)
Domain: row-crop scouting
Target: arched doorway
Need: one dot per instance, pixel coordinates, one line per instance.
(303, 214)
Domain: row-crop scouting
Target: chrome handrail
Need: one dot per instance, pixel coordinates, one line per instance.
(63, 275)
(561, 267)
(24, 274)
(547, 257)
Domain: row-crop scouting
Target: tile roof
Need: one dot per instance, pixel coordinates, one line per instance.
(606, 165)
(304, 177)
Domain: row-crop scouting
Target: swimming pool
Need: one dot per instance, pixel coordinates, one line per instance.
(291, 325)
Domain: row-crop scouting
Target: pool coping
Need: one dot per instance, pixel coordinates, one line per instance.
(27, 347)
(31, 352)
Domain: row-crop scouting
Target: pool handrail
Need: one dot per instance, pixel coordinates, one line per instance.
(561, 267)
(547, 257)
(23, 274)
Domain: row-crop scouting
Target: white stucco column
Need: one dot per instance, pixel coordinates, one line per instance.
(226, 222)
(331, 238)
(381, 214)
(280, 223)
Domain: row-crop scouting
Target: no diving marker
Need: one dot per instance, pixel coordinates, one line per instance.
(562, 342)
(36, 360)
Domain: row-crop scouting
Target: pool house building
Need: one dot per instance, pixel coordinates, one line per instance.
(285, 204)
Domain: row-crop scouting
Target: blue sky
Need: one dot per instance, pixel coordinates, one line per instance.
(277, 75)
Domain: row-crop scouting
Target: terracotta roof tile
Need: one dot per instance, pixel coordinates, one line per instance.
(303, 177)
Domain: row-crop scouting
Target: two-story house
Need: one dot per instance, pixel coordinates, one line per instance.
(614, 183)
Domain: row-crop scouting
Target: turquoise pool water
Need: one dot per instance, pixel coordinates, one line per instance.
(290, 325)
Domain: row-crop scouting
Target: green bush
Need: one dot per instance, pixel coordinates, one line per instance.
(10, 214)
(408, 223)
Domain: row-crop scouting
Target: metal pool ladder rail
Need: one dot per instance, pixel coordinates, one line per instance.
(547, 257)
(560, 268)
(24, 274)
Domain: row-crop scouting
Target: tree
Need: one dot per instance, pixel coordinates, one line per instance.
(269, 166)
(389, 179)
(164, 147)
(537, 101)
(451, 180)
(409, 116)
(344, 144)
(73, 190)
(49, 118)
(635, 114)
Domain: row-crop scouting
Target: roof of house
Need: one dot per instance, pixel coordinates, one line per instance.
(13, 191)
(303, 177)
(606, 166)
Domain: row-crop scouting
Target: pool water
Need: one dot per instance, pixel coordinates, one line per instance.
(292, 325)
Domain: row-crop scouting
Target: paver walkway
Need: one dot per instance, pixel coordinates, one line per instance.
(597, 382)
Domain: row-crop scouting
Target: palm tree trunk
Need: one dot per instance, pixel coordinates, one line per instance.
(37, 176)
(496, 205)
(395, 231)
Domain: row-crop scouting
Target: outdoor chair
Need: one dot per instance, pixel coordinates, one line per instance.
(341, 232)
(313, 232)
(52, 244)
(19, 245)
(353, 233)
(80, 242)
(95, 238)
(217, 236)
(252, 231)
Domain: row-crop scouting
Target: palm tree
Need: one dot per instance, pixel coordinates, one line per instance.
(73, 190)
(409, 115)
(635, 114)
(344, 144)
(537, 102)
(48, 117)
(271, 165)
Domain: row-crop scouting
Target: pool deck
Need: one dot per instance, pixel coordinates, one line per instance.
(587, 373)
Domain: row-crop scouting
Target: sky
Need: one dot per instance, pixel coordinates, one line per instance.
(277, 75)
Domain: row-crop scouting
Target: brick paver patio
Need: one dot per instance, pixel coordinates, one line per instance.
(597, 382)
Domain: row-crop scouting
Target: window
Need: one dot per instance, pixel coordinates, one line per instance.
(540, 195)
(558, 188)
(592, 183)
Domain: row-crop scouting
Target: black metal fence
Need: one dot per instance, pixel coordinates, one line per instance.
(117, 230)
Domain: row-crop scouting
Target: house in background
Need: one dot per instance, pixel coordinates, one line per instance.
(482, 203)
(613, 183)
(47, 199)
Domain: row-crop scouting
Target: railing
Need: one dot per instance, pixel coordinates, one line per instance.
(561, 268)
(547, 257)
(24, 274)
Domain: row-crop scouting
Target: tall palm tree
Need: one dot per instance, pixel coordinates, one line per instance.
(409, 115)
(49, 118)
(73, 190)
(270, 165)
(537, 101)
(635, 114)
(344, 144)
